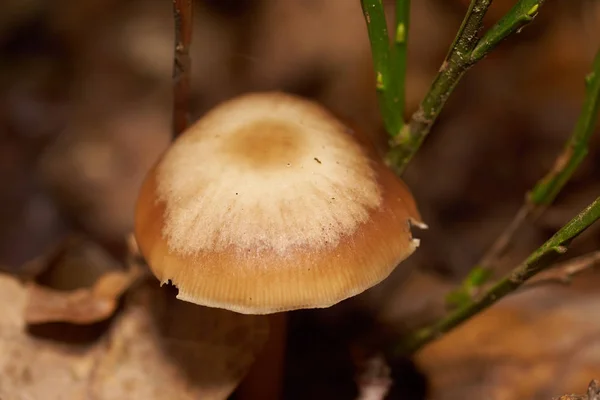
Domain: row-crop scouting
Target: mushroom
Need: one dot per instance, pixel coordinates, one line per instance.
(269, 203)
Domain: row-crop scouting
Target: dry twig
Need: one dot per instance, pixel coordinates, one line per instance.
(182, 12)
(547, 188)
(593, 393)
(544, 192)
(564, 273)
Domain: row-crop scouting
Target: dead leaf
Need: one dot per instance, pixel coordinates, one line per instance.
(74, 262)
(158, 348)
(32, 369)
(163, 348)
(534, 345)
(80, 306)
(593, 393)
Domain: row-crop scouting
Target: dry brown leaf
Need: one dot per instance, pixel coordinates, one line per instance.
(534, 345)
(78, 282)
(71, 263)
(163, 348)
(80, 306)
(158, 348)
(33, 369)
(593, 393)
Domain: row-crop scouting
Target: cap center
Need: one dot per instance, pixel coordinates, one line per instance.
(265, 144)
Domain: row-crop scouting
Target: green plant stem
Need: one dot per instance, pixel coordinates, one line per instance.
(538, 261)
(380, 51)
(519, 15)
(399, 58)
(547, 188)
(465, 51)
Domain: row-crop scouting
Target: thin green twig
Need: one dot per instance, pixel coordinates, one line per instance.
(519, 15)
(538, 261)
(399, 58)
(466, 298)
(405, 145)
(466, 50)
(576, 149)
(380, 51)
(574, 152)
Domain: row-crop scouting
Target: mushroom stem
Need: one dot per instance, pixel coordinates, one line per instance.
(265, 379)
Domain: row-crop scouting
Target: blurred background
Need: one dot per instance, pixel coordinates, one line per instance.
(85, 109)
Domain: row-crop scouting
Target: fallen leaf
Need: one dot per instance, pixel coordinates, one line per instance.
(593, 393)
(34, 369)
(163, 348)
(534, 345)
(80, 306)
(158, 348)
(72, 263)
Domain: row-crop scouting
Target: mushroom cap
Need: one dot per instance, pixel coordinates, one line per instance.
(269, 203)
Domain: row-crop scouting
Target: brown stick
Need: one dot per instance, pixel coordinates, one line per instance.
(182, 12)
(593, 393)
(564, 273)
(503, 241)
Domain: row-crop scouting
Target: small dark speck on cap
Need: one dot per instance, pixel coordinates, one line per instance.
(317, 160)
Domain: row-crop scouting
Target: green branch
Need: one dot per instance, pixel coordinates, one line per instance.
(546, 190)
(464, 52)
(466, 298)
(538, 261)
(380, 51)
(520, 15)
(399, 58)
(576, 149)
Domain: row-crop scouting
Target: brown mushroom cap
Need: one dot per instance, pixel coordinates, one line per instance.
(269, 204)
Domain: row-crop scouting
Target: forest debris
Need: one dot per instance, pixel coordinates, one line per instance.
(374, 381)
(593, 393)
(72, 263)
(78, 282)
(564, 273)
(533, 345)
(158, 348)
(31, 368)
(79, 306)
(163, 348)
